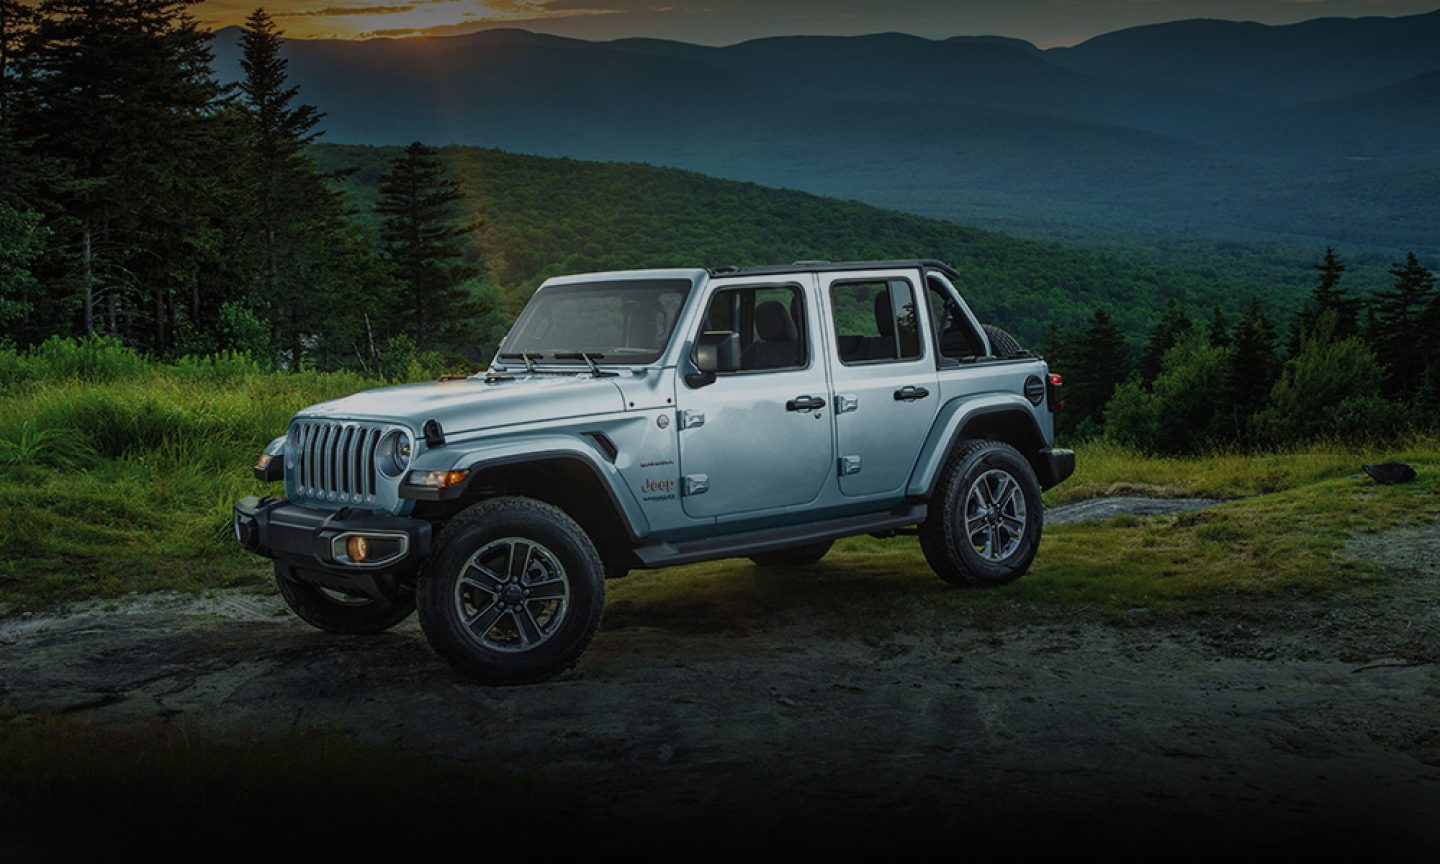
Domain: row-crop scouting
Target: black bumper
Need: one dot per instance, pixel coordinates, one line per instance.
(1054, 467)
(306, 538)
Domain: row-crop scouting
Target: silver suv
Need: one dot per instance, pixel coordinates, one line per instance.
(651, 418)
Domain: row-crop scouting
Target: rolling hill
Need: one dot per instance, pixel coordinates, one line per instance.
(1199, 129)
(544, 217)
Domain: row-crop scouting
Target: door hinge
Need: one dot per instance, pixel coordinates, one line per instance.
(849, 465)
(845, 403)
(692, 419)
(696, 484)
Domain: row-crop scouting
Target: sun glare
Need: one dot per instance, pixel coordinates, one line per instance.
(351, 19)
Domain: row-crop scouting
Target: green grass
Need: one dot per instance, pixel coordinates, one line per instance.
(118, 475)
(65, 784)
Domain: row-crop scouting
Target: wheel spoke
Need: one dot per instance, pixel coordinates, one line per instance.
(994, 544)
(551, 589)
(517, 564)
(479, 577)
(526, 624)
(482, 623)
(1001, 493)
(1014, 525)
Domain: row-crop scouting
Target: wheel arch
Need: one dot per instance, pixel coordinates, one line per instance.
(566, 473)
(1001, 417)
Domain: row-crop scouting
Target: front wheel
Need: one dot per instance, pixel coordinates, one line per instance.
(513, 593)
(985, 517)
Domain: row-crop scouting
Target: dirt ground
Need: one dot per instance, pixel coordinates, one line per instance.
(1315, 725)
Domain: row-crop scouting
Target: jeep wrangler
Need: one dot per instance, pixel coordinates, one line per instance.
(652, 418)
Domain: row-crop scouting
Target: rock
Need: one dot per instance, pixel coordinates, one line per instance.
(1389, 473)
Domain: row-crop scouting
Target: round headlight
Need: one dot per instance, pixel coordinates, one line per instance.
(392, 457)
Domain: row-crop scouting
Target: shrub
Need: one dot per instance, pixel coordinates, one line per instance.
(1330, 389)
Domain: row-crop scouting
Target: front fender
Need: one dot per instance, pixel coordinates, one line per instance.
(951, 420)
(534, 448)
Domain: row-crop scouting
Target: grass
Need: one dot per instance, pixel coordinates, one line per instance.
(118, 476)
(318, 790)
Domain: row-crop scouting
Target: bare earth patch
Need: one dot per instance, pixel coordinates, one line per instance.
(1312, 725)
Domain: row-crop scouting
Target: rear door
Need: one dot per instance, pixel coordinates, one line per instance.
(885, 384)
(760, 438)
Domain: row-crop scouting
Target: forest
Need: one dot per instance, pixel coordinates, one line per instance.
(143, 202)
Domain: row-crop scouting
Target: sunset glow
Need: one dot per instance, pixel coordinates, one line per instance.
(717, 22)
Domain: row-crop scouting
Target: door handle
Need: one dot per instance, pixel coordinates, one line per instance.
(910, 394)
(805, 403)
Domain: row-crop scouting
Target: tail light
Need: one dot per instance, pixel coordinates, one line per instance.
(1055, 392)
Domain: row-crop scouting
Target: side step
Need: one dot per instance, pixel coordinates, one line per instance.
(661, 554)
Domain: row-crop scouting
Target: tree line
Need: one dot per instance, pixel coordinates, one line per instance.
(1348, 367)
(143, 200)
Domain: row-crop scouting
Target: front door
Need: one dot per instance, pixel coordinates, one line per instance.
(886, 388)
(760, 438)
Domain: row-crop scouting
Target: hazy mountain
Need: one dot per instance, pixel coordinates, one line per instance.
(1316, 59)
(1198, 128)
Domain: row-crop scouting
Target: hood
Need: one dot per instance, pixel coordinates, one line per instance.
(470, 404)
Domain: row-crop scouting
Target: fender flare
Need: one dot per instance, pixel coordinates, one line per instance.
(481, 456)
(954, 416)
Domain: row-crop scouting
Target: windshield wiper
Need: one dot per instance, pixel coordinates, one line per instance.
(589, 357)
(527, 358)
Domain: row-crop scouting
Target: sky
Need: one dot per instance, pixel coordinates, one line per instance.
(721, 22)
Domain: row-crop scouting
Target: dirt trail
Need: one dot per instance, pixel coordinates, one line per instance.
(1325, 720)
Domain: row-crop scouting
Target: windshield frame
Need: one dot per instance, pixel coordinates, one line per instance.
(681, 284)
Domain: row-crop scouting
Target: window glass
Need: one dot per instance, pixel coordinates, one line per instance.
(627, 322)
(770, 321)
(875, 321)
(955, 334)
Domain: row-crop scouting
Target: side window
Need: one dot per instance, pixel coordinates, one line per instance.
(875, 321)
(954, 333)
(770, 321)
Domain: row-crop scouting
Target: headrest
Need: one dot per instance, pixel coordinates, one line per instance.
(772, 322)
(885, 313)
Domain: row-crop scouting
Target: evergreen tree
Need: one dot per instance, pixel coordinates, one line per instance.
(1219, 327)
(1253, 366)
(1167, 332)
(119, 92)
(421, 237)
(280, 130)
(1398, 332)
(1099, 362)
(1328, 296)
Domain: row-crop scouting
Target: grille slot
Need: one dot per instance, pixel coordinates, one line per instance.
(335, 460)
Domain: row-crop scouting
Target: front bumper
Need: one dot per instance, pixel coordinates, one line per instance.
(315, 540)
(1054, 467)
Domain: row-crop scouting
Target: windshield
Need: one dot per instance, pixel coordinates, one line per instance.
(612, 322)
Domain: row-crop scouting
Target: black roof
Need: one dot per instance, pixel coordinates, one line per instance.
(832, 266)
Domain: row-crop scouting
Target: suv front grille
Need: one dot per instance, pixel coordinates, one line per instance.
(335, 461)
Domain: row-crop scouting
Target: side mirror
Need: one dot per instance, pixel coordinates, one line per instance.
(715, 352)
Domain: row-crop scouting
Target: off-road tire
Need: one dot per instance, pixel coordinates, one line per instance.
(943, 539)
(362, 616)
(470, 532)
(1002, 344)
(800, 556)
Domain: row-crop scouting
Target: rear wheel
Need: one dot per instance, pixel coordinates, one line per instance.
(985, 517)
(800, 556)
(337, 612)
(513, 593)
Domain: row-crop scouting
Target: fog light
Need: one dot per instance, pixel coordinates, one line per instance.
(357, 549)
(263, 462)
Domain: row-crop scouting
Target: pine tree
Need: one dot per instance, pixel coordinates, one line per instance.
(1173, 324)
(1219, 327)
(1099, 362)
(279, 132)
(1328, 296)
(1398, 333)
(1253, 365)
(421, 237)
(120, 94)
